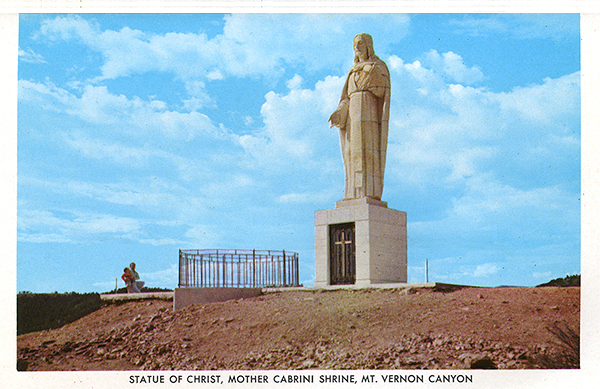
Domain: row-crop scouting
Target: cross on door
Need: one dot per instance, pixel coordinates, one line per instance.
(342, 254)
(342, 244)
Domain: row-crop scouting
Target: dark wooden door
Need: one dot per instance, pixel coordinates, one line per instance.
(342, 254)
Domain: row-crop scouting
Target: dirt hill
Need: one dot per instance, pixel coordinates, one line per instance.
(504, 328)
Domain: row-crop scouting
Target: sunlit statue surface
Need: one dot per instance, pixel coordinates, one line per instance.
(362, 117)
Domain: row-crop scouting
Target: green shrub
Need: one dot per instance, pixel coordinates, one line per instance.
(574, 280)
(43, 311)
(567, 357)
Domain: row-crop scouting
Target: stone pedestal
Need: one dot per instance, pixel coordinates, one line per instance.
(379, 241)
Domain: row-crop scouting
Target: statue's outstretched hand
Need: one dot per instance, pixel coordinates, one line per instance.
(334, 119)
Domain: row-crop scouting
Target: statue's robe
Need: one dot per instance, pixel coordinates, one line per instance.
(364, 122)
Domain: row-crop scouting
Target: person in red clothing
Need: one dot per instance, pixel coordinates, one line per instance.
(127, 277)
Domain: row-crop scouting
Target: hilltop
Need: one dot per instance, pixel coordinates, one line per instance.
(506, 328)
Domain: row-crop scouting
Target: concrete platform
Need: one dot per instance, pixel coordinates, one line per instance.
(137, 296)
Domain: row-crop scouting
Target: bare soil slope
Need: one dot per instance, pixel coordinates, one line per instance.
(344, 329)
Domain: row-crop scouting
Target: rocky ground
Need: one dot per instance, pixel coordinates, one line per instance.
(503, 328)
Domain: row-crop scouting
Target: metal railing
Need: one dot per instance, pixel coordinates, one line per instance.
(237, 268)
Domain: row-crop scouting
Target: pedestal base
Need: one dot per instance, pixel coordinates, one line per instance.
(379, 241)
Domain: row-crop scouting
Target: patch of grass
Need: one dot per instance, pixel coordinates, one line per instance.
(44, 311)
(568, 358)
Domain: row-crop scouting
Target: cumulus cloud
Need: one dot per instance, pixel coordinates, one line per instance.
(295, 82)
(169, 276)
(134, 116)
(295, 127)
(453, 131)
(547, 104)
(485, 270)
(75, 228)
(245, 48)
(451, 65)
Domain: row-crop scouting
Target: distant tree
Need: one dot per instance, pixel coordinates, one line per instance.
(574, 280)
(43, 311)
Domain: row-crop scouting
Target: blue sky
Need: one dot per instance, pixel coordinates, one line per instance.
(142, 134)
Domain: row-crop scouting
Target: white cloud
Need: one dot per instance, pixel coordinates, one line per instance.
(95, 224)
(233, 182)
(133, 116)
(490, 213)
(162, 242)
(248, 120)
(43, 238)
(550, 103)
(480, 26)
(295, 82)
(485, 270)
(168, 276)
(158, 105)
(74, 228)
(101, 149)
(451, 65)
(453, 132)
(464, 162)
(148, 195)
(544, 275)
(395, 63)
(295, 130)
(245, 48)
(306, 198)
(30, 56)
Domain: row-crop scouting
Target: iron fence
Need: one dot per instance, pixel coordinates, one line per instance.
(237, 268)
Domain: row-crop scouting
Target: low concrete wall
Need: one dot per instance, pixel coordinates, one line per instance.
(188, 296)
